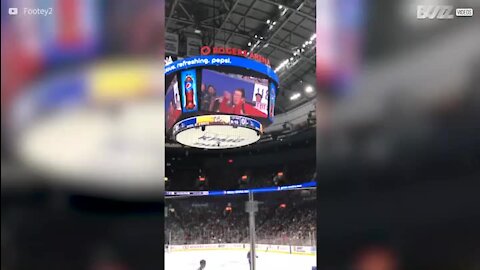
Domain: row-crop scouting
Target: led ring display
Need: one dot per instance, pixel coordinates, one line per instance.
(217, 131)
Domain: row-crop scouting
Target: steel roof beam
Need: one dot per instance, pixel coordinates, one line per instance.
(174, 5)
(306, 15)
(281, 26)
(226, 18)
(273, 45)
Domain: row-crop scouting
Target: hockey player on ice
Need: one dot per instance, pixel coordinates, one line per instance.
(249, 259)
(202, 265)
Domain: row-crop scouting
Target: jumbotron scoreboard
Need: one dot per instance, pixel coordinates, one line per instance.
(219, 101)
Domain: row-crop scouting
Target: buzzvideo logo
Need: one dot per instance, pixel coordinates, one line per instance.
(442, 12)
(434, 12)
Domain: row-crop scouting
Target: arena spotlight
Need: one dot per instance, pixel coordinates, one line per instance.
(309, 89)
(295, 96)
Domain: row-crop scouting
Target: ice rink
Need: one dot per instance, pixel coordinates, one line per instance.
(236, 260)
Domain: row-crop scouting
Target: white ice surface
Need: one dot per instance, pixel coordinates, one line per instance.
(236, 260)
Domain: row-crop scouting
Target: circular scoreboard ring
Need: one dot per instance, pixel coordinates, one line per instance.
(217, 131)
(241, 106)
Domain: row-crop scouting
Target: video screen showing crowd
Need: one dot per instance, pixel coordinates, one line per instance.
(234, 94)
(222, 93)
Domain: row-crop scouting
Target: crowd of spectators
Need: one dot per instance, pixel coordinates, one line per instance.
(204, 225)
(294, 225)
(289, 220)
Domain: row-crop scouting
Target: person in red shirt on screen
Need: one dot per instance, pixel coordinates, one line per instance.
(239, 101)
(225, 105)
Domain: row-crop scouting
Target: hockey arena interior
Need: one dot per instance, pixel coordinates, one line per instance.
(98, 172)
(210, 187)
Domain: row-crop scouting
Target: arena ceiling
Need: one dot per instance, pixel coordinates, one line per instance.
(282, 31)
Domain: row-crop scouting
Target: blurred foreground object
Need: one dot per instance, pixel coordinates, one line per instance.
(376, 258)
(97, 128)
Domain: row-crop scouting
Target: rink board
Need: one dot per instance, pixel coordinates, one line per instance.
(280, 249)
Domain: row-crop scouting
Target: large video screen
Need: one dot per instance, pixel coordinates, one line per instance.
(233, 94)
(173, 107)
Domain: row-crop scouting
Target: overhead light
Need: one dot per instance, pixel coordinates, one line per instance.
(270, 27)
(249, 43)
(282, 65)
(309, 89)
(274, 23)
(295, 96)
(197, 31)
(268, 21)
(291, 58)
(304, 45)
(303, 50)
(256, 36)
(261, 37)
(280, 7)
